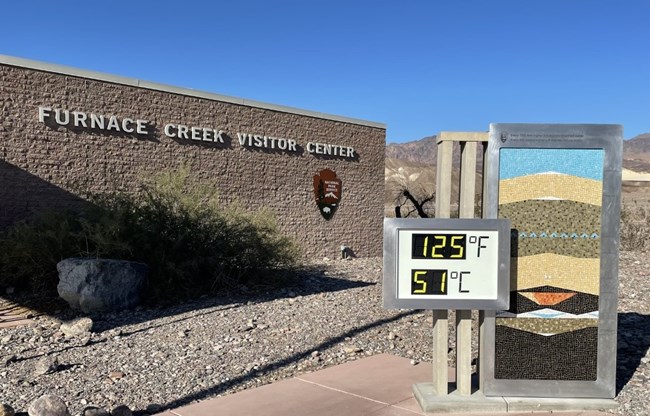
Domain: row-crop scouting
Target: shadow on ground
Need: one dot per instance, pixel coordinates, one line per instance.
(633, 344)
(308, 280)
(232, 383)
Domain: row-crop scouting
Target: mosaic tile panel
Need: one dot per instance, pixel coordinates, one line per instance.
(569, 273)
(548, 326)
(568, 356)
(549, 313)
(547, 186)
(577, 303)
(583, 246)
(553, 199)
(581, 163)
(553, 219)
(547, 298)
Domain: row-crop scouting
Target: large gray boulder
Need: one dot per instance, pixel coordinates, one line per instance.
(48, 405)
(96, 285)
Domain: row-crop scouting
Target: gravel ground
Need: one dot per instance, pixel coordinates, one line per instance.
(169, 357)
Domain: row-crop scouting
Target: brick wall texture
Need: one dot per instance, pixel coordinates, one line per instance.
(44, 165)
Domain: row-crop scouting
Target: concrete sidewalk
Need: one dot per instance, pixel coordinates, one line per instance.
(380, 385)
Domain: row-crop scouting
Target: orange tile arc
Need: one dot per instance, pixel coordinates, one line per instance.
(547, 298)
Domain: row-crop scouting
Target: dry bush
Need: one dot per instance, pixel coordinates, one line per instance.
(191, 243)
(635, 228)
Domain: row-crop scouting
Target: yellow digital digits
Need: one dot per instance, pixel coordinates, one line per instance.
(459, 247)
(423, 289)
(429, 282)
(438, 246)
(443, 243)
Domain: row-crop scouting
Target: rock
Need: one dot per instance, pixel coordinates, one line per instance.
(154, 408)
(6, 410)
(95, 285)
(94, 411)
(413, 362)
(121, 410)
(45, 365)
(77, 327)
(351, 349)
(116, 375)
(48, 405)
(4, 361)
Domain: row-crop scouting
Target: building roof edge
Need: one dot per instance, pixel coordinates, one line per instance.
(133, 82)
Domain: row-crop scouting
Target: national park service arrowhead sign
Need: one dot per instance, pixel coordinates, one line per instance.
(327, 189)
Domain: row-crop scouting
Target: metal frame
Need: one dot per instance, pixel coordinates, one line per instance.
(391, 229)
(572, 136)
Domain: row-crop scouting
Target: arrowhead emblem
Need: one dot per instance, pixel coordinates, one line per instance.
(327, 190)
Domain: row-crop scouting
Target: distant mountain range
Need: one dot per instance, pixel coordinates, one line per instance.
(419, 151)
(412, 165)
(636, 152)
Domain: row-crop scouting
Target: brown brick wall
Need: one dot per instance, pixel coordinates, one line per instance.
(41, 165)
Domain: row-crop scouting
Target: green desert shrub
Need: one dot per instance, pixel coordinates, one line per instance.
(191, 243)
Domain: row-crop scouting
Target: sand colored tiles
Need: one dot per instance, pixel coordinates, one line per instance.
(550, 185)
(570, 273)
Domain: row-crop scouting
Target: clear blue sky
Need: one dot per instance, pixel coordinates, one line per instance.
(419, 66)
